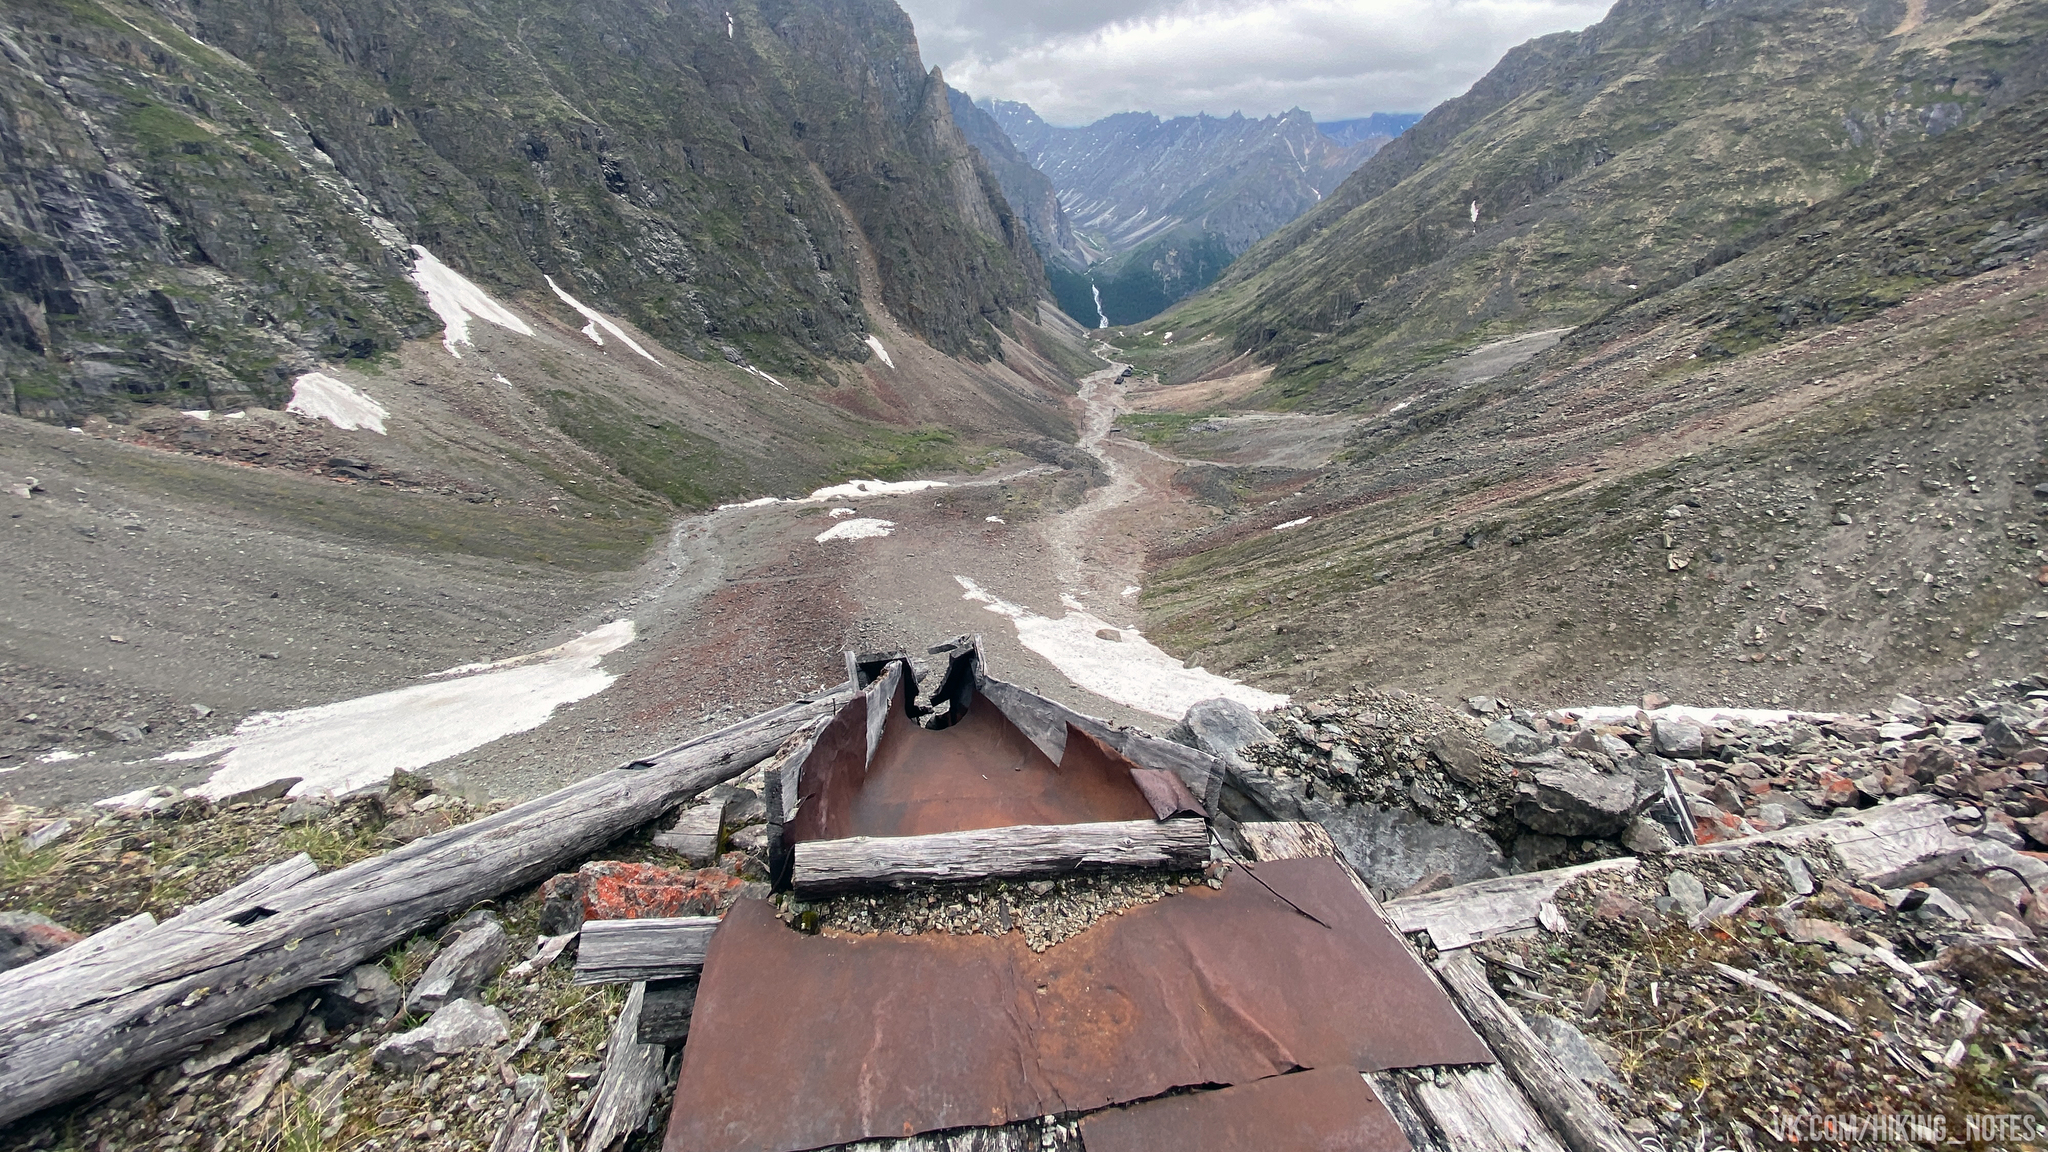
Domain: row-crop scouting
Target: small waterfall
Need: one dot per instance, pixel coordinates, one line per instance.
(1095, 288)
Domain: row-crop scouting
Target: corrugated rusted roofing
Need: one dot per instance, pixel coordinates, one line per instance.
(1327, 1110)
(802, 1042)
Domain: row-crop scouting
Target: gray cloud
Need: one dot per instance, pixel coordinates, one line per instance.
(1075, 62)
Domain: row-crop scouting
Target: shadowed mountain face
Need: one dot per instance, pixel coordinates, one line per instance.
(1589, 164)
(1380, 126)
(1030, 193)
(1162, 206)
(202, 198)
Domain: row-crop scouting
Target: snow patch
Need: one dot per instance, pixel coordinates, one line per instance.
(354, 744)
(763, 502)
(58, 756)
(841, 513)
(1130, 671)
(455, 300)
(598, 320)
(857, 488)
(859, 529)
(1133, 590)
(881, 351)
(502, 380)
(996, 520)
(1292, 524)
(322, 397)
(750, 370)
(199, 414)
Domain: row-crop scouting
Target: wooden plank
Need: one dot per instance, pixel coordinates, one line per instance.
(1565, 1100)
(1287, 840)
(855, 863)
(629, 1083)
(1460, 917)
(1466, 1109)
(695, 834)
(621, 951)
(143, 1002)
(666, 1011)
(522, 1130)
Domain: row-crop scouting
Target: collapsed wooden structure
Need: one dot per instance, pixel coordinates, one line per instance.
(1281, 991)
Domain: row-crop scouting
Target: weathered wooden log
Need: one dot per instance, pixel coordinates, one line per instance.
(133, 1005)
(1564, 1099)
(629, 1083)
(1474, 1108)
(627, 951)
(1462, 916)
(824, 867)
(666, 1010)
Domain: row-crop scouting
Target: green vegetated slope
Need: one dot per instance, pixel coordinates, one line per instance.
(1160, 207)
(1812, 467)
(201, 200)
(1588, 165)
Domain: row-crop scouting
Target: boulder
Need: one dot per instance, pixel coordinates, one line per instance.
(1572, 1050)
(1394, 849)
(363, 993)
(30, 936)
(1688, 895)
(1225, 728)
(1565, 802)
(459, 1026)
(1678, 738)
(1514, 739)
(462, 969)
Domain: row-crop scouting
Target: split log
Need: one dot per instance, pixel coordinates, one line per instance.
(825, 867)
(629, 1083)
(134, 1005)
(522, 1130)
(1563, 1098)
(626, 951)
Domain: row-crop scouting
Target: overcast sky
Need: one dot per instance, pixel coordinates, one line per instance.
(1076, 61)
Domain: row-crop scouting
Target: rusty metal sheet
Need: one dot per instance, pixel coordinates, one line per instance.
(981, 772)
(1327, 1110)
(803, 1042)
(1163, 791)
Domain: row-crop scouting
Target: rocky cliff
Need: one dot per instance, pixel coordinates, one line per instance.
(200, 199)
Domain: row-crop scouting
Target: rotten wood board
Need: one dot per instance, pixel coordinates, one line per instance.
(1566, 1101)
(1466, 1109)
(694, 836)
(1287, 840)
(135, 1005)
(625, 951)
(1045, 722)
(1462, 916)
(630, 1081)
(855, 863)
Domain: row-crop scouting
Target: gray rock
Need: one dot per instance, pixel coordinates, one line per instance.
(1797, 873)
(1225, 728)
(2004, 738)
(462, 969)
(1647, 837)
(1688, 895)
(1572, 1050)
(1394, 848)
(305, 812)
(1461, 757)
(1483, 705)
(1514, 739)
(1907, 708)
(364, 993)
(269, 791)
(1677, 738)
(1563, 802)
(458, 1026)
(26, 937)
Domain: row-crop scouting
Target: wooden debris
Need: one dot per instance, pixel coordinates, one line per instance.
(1466, 1109)
(522, 1130)
(695, 835)
(107, 1015)
(666, 1011)
(1564, 1099)
(629, 1083)
(1287, 840)
(1463, 916)
(824, 867)
(625, 951)
(1785, 994)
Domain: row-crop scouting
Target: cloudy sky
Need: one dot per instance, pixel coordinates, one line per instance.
(1078, 60)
